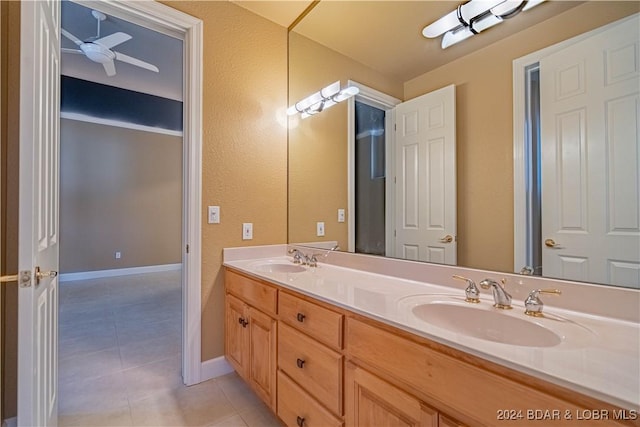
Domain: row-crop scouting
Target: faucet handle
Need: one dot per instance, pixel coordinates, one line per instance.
(297, 255)
(472, 292)
(533, 304)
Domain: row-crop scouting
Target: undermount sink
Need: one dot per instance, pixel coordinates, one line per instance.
(487, 325)
(278, 267)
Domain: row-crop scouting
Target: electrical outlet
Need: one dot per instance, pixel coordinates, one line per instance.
(118, 255)
(340, 215)
(247, 231)
(320, 229)
(214, 215)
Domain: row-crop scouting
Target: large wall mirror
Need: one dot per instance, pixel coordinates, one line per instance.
(345, 164)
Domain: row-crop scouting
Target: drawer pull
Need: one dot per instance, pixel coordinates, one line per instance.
(300, 421)
(300, 317)
(300, 363)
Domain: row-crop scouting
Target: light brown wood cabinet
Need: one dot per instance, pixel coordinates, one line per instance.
(334, 367)
(250, 336)
(310, 362)
(371, 401)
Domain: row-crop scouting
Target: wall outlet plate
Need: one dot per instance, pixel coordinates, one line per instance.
(213, 216)
(320, 229)
(340, 215)
(118, 255)
(247, 231)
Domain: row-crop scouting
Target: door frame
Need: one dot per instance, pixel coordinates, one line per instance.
(167, 20)
(520, 230)
(387, 103)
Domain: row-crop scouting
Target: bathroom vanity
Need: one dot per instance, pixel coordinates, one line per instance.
(334, 346)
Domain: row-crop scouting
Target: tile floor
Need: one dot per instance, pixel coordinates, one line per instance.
(119, 360)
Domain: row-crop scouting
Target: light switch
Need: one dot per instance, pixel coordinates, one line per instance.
(320, 229)
(118, 255)
(247, 231)
(340, 215)
(214, 215)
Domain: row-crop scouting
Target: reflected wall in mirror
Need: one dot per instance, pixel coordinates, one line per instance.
(480, 68)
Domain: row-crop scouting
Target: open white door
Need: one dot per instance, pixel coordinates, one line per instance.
(590, 116)
(426, 178)
(38, 213)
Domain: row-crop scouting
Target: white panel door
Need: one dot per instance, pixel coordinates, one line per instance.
(590, 117)
(426, 178)
(38, 207)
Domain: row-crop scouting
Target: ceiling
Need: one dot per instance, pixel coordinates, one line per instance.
(387, 35)
(150, 46)
(393, 43)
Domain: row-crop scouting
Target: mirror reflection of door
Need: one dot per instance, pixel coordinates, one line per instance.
(370, 178)
(425, 175)
(582, 159)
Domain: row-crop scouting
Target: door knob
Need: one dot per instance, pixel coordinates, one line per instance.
(550, 243)
(44, 274)
(447, 239)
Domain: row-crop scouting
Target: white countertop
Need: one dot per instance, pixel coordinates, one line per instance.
(598, 356)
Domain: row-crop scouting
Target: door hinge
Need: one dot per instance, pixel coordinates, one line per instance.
(394, 233)
(187, 248)
(395, 126)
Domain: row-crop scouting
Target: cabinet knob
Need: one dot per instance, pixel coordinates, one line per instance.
(244, 323)
(300, 317)
(240, 320)
(300, 363)
(300, 421)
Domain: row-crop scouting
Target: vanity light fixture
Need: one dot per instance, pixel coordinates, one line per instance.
(474, 17)
(321, 100)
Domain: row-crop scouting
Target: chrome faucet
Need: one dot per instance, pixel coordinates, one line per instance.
(298, 256)
(533, 304)
(501, 298)
(472, 292)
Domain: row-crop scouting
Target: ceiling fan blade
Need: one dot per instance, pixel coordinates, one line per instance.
(77, 51)
(109, 68)
(113, 40)
(71, 37)
(134, 61)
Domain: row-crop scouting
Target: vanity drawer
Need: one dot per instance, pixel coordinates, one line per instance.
(318, 322)
(298, 409)
(315, 367)
(253, 292)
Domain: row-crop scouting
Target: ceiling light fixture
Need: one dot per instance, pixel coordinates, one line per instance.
(321, 100)
(474, 17)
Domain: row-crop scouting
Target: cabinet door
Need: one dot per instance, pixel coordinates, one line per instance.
(236, 336)
(448, 422)
(371, 401)
(262, 355)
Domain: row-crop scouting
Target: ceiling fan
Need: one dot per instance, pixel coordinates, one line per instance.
(98, 49)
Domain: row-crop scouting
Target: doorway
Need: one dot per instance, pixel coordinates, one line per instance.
(370, 178)
(31, 377)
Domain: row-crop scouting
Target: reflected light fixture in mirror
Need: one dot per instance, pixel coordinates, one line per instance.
(321, 100)
(474, 17)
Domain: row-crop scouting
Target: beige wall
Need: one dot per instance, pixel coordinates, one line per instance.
(244, 152)
(120, 190)
(318, 145)
(485, 128)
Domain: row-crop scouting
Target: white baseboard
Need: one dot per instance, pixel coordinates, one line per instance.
(214, 368)
(11, 422)
(97, 274)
